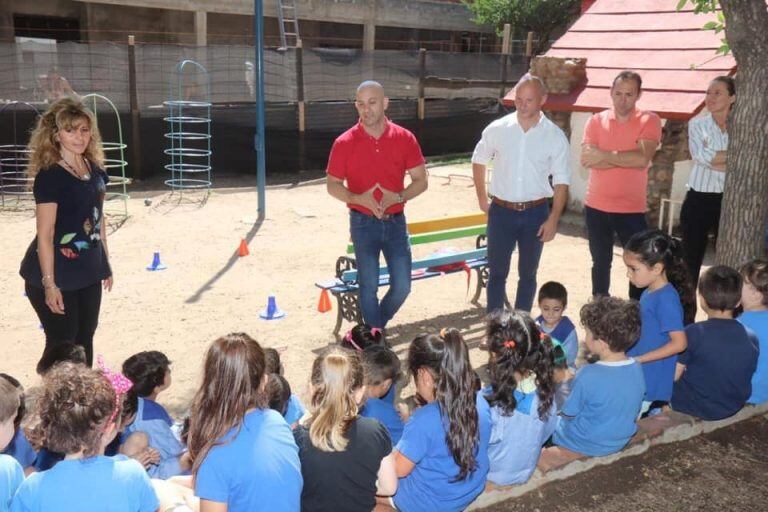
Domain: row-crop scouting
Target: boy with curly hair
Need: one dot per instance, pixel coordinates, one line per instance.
(598, 417)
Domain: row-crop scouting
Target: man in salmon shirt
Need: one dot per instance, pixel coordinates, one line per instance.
(373, 158)
(618, 147)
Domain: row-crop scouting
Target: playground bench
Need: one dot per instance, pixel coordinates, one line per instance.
(344, 286)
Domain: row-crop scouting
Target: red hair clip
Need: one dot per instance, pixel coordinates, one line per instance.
(542, 335)
(510, 344)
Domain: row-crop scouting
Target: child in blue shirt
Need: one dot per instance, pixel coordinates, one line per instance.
(553, 299)
(245, 457)
(654, 262)
(381, 367)
(521, 395)
(754, 300)
(598, 417)
(150, 373)
(714, 374)
(19, 447)
(11, 473)
(442, 457)
(86, 480)
(294, 409)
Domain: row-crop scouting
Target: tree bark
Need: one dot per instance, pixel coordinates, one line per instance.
(745, 199)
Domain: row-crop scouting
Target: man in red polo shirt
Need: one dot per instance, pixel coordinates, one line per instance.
(618, 146)
(373, 158)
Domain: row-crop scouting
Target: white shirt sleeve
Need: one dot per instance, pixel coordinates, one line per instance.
(485, 149)
(701, 152)
(561, 160)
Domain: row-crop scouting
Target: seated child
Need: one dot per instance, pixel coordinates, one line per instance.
(278, 393)
(75, 415)
(295, 409)
(151, 374)
(599, 416)
(521, 396)
(754, 300)
(553, 299)
(11, 473)
(713, 378)
(381, 368)
(363, 336)
(19, 448)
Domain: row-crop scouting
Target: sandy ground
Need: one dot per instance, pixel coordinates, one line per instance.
(208, 290)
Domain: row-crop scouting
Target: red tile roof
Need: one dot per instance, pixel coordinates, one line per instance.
(675, 57)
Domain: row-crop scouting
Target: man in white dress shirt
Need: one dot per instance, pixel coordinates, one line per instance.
(527, 148)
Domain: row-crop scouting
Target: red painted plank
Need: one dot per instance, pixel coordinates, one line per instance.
(650, 59)
(679, 39)
(665, 80)
(669, 105)
(625, 6)
(641, 22)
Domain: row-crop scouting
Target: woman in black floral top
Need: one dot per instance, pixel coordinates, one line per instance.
(67, 263)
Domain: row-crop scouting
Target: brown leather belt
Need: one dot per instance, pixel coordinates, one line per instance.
(519, 207)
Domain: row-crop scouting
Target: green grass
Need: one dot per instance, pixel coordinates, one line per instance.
(451, 159)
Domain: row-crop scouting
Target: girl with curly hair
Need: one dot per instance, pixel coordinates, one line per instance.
(522, 395)
(67, 263)
(76, 415)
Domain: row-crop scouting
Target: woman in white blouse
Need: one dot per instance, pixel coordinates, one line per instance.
(708, 143)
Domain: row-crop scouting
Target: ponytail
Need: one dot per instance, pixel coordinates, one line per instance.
(517, 346)
(447, 358)
(336, 375)
(654, 246)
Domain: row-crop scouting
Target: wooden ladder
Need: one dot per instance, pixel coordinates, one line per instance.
(288, 20)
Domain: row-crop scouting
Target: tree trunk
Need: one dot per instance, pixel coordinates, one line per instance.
(745, 201)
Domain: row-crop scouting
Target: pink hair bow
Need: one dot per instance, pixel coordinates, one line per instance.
(119, 382)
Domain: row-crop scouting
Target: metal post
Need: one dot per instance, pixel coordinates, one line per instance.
(504, 60)
(300, 84)
(258, 33)
(135, 112)
(421, 105)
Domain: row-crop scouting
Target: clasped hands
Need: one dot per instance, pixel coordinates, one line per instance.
(377, 207)
(591, 156)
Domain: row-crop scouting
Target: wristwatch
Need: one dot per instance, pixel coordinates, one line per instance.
(400, 197)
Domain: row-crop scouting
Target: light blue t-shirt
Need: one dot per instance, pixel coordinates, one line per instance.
(516, 439)
(295, 410)
(758, 322)
(95, 484)
(256, 468)
(383, 410)
(599, 416)
(660, 313)
(11, 476)
(20, 449)
(152, 419)
(431, 486)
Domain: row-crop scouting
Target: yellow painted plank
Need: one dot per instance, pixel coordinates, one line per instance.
(460, 221)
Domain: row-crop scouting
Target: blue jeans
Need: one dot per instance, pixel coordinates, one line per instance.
(601, 227)
(372, 237)
(507, 229)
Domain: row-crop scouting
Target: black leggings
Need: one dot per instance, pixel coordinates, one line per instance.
(77, 324)
(699, 216)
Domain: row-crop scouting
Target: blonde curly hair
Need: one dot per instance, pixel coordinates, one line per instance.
(61, 115)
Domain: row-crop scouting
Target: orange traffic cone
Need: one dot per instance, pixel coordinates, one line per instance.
(243, 249)
(324, 305)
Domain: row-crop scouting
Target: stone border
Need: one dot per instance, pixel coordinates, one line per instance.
(558, 463)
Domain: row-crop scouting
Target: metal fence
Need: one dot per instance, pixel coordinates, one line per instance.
(32, 70)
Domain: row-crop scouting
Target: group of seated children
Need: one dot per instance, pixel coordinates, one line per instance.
(353, 446)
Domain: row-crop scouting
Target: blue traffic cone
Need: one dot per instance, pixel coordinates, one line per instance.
(271, 312)
(156, 263)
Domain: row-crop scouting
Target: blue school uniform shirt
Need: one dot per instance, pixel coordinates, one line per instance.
(152, 419)
(383, 410)
(11, 476)
(95, 484)
(758, 322)
(565, 333)
(20, 449)
(295, 410)
(599, 416)
(256, 468)
(719, 362)
(660, 313)
(431, 486)
(516, 440)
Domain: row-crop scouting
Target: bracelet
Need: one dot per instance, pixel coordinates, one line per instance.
(49, 276)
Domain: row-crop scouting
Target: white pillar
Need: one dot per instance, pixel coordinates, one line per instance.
(201, 28)
(369, 35)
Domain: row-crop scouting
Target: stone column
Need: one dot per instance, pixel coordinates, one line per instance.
(201, 28)
(674, 147)
(369, 35)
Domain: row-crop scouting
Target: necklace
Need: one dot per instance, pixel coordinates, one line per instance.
(84, 177)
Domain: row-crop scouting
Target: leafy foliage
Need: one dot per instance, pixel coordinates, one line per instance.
(540, 16)
(705, 6)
